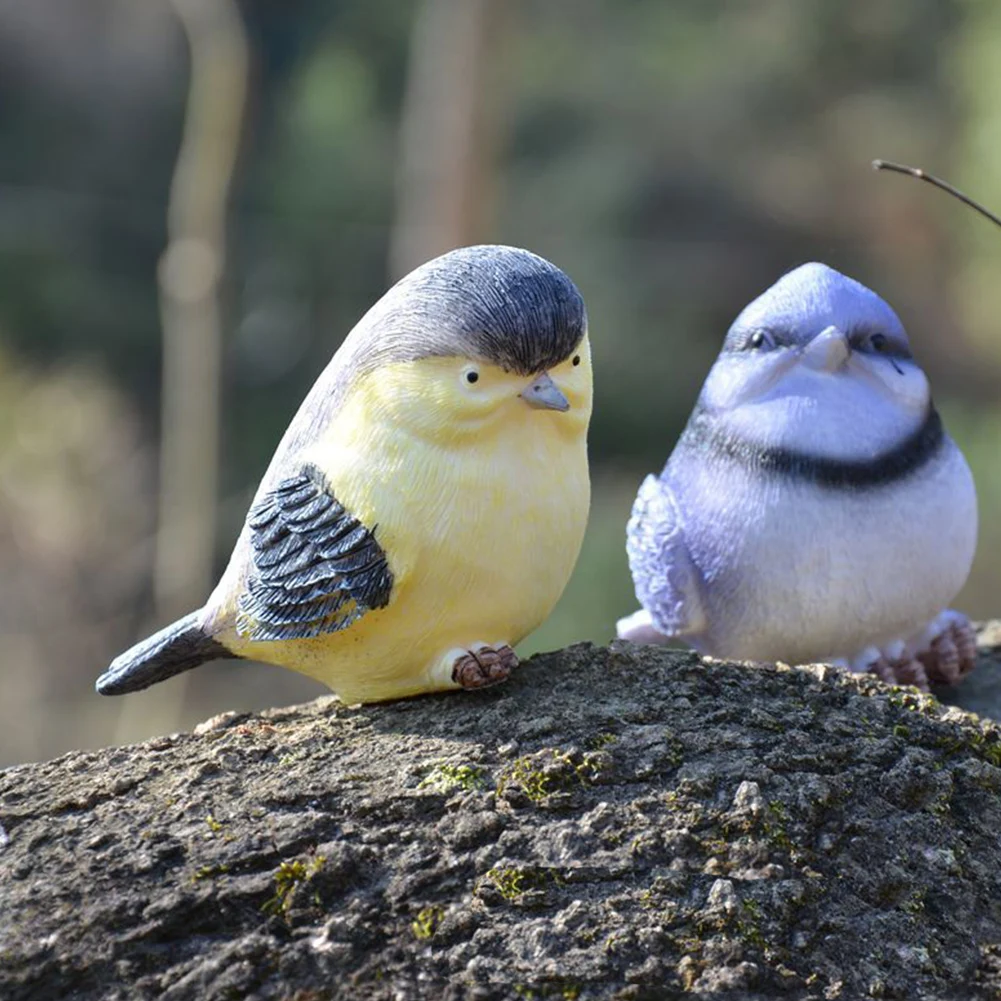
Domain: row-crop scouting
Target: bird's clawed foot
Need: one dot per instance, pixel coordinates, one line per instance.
(900, 670)
(951, 650)
(484, 666)
(943, 653)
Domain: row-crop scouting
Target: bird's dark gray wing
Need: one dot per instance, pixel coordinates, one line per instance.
(668, 583)
(316, 568)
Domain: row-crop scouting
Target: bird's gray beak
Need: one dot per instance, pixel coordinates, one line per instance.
(828, 351)
(544, 394)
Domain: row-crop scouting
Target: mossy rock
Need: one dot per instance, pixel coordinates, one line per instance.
(621, 822)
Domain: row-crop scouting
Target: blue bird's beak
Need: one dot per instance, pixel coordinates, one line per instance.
(828, 351)
(544, 394)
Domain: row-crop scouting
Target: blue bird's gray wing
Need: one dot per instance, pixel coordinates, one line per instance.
(668, 583)
(316, 568)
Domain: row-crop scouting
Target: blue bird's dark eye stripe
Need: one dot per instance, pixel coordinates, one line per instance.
(748, 340)
(759, 340)
(878, 342)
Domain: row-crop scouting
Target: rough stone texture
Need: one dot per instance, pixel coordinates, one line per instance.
(628, 823)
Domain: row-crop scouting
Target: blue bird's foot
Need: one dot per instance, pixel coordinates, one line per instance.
(900, 670)
(484, 666)
(951, 651)
(943, 653)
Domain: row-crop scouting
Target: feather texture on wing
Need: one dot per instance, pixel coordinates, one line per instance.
(316, 568)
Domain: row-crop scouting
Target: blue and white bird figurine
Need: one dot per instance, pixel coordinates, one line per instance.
(814, 509)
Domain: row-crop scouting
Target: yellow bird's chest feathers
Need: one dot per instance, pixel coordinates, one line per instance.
(494, 530)
(481, 525)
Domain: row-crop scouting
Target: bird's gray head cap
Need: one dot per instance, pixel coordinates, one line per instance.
(497, 304)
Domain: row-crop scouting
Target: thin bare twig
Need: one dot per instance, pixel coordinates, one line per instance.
(937, 182)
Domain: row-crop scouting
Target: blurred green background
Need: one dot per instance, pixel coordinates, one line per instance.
(674, 158)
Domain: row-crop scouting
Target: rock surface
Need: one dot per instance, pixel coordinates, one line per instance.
(628, 823)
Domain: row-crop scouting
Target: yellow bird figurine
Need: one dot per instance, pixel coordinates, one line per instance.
(426, 506)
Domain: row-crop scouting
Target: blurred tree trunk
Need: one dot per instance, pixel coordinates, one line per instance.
(189, 276)
(449, 129)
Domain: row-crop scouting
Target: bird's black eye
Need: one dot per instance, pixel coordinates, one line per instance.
(880, 343)
(576, 360)
(472, 376)
(757, 340)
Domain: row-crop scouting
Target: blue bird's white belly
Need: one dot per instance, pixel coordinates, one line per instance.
(800, 573)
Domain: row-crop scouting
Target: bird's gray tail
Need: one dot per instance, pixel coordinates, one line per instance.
(179, 647)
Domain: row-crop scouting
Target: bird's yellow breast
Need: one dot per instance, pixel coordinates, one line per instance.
(480, 515)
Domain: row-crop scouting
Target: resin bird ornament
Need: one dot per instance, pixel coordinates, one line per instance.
(426, 506)
(814, 509)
